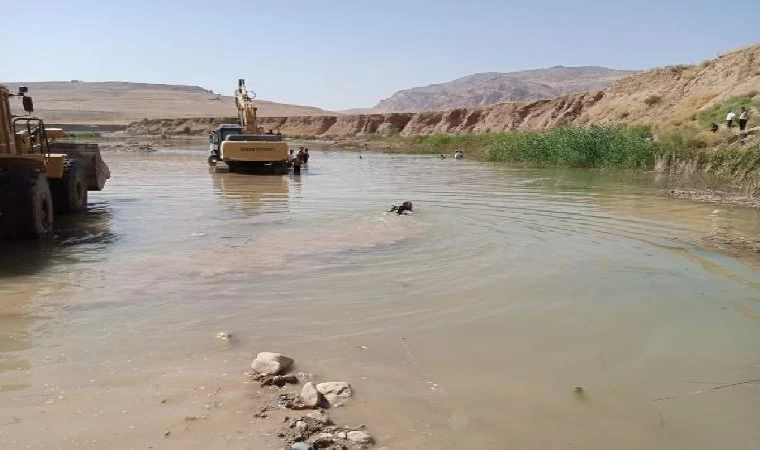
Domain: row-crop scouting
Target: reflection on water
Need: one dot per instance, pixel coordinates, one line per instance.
(36, 270)
(464, 325)
(260, 193)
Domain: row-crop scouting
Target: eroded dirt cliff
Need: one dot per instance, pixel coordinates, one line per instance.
(664, 97)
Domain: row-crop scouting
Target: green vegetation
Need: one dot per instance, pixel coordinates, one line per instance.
(477, 144)
(717, 113)
(593, 146)
(740, 165)
(687, 150)
(82, 135)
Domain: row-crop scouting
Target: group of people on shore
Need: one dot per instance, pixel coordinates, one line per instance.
(730, 117)
(743, 118)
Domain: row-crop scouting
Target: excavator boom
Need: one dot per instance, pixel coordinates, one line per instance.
(246, 110)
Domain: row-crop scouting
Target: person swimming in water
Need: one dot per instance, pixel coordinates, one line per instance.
(405, 208)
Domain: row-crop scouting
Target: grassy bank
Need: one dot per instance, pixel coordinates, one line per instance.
(579, 147)
(686, 151)
(717, 112)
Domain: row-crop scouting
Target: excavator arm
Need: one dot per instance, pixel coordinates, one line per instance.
(246, 110)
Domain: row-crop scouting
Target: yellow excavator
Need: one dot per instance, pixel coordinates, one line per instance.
(38, 176)
(244, 147)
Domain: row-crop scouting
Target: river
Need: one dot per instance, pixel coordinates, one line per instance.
(467, 325)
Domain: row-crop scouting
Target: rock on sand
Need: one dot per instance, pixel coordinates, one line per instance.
(310, 396)
(359, 437)
(335, 391)
(268, 363)
(301, 446)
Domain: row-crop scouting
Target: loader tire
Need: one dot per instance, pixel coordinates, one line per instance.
(70, 191)
(26, 205)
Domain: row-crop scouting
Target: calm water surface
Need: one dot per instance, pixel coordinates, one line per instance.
(464, 326)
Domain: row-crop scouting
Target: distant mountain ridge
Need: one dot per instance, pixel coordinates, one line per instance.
(120, 102)
(680, 93)
(483, 89)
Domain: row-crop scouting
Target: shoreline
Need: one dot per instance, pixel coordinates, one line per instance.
(727, 184)
(725, 194)
(722, 189)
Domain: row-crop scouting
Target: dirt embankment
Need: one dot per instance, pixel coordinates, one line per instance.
(119, 103)
(665, 96)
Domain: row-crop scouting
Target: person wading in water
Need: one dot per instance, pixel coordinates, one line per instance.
(295, 160)
(405, 208)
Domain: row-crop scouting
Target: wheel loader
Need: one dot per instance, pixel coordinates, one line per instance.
(243, 147)
(38, 176)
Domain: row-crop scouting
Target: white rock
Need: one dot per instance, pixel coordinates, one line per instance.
(267, 363)
(342, 435)
(335, 391)
(310, 396)
(359, 437)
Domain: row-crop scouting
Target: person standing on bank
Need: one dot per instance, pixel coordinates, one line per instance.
(730, 119)
(743, 118)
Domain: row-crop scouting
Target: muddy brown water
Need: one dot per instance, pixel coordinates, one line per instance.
(464, 326)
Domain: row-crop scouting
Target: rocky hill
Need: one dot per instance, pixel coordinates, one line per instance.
(75, 102)
(665, 97)
(483, 89)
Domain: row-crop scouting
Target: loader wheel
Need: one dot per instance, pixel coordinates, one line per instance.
(212, 160)
(26, 205)
(70, 192)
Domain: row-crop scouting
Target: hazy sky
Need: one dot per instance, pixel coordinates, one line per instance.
(339, 54)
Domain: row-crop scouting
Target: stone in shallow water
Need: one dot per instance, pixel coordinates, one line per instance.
(335, 391)
(310, 396)
(268, 363)
(359, 437)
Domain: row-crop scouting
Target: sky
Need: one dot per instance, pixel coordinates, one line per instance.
(338, 54)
